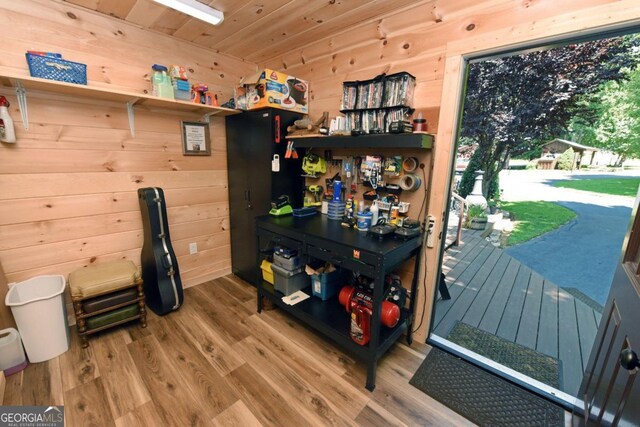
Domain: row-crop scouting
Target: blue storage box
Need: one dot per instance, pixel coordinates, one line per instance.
(183, 85)
(47, 67)
(327, 285)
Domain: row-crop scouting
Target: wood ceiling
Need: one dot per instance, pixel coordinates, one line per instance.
(253, 30)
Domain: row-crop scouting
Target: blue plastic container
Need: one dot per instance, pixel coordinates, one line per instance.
(327, 285)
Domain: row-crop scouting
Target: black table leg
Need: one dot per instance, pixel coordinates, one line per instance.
(371, 374)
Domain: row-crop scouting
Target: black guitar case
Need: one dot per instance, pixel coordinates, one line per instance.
(162, 284)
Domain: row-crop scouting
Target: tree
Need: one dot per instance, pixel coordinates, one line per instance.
(610, 118)
(469, 178)
(514, 103)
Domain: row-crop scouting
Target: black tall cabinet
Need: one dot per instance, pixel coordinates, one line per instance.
(253, 138)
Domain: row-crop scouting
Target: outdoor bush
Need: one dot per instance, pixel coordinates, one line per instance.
(469, 177)
(565, 161)
(533, 164)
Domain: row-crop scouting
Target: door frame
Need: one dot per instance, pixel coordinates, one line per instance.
(597, 22)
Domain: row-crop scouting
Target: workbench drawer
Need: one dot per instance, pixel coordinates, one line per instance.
(365, 264)
(270, 239)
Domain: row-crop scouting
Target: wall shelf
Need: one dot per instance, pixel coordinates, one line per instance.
(386, 140)
(23, 83)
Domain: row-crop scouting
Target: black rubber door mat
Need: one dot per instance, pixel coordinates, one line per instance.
(481, 397)
(522, 359)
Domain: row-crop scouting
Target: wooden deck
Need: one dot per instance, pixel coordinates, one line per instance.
(492, 291)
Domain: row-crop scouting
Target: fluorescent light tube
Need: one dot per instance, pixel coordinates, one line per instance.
(196, 9)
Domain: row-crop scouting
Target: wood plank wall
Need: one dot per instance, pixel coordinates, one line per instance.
(415, 39)
(68, 187)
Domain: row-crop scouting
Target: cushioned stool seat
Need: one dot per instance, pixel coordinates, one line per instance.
(113, 294)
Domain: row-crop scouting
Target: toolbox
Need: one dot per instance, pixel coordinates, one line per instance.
(286, 261)
(288, 282)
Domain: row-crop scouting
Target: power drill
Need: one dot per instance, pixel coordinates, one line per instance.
(316, 190)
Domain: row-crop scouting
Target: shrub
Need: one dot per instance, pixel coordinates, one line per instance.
(565, 161)
(469, 177)
(533, 164)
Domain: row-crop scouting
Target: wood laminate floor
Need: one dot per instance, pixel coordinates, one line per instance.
(217, 362)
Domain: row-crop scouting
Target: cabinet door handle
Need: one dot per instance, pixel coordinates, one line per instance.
(248, 195)
(277, 119)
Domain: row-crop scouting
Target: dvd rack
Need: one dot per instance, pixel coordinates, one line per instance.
(372, 105)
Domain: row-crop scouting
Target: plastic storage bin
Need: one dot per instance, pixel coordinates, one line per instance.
(267, 273)
(47, 67)
(290, 263)
(38, 308)
(12, 358)
(327, 285)
(289, 282)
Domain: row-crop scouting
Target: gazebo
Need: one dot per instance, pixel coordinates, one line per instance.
(554, 148)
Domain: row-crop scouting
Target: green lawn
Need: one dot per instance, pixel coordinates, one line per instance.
(535, 218)
(616, 186)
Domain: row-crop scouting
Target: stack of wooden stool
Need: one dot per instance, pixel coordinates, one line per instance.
(106, 295)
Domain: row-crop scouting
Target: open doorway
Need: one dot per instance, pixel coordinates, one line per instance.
(552, 130)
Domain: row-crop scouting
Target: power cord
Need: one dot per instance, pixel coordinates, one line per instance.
(424, 222)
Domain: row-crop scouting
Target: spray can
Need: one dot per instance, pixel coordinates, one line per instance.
(7, 131)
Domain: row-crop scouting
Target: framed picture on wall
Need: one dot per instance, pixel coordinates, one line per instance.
(195, 139)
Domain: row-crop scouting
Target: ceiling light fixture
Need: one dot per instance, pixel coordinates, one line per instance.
(196, 9)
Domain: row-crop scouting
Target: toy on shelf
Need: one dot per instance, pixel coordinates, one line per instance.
(305, 127)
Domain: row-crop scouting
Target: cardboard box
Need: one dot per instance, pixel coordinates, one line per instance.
(272, 89)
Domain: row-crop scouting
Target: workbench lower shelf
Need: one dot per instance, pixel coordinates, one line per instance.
(320, 238)
(332, 320)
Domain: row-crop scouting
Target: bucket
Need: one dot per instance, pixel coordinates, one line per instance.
(364, 221)
(12, 358)
(38, 308)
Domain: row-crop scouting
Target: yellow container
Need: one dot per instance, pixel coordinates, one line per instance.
(267, 273)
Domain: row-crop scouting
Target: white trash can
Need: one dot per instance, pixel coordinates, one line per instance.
(38, 307)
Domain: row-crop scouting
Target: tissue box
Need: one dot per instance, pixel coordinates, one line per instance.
(271, 88)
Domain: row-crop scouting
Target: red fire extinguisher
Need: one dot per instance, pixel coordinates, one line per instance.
(360, 305)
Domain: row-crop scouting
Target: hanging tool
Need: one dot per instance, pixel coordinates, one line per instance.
(313, 165)
(291, 152)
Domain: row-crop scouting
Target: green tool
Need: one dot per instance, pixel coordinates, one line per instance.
(281, 206)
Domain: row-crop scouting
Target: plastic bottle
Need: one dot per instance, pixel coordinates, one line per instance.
(7, 131)
(374, 211)
(157, 78)
(161, 83)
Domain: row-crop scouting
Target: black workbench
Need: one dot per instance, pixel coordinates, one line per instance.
(321, 238)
